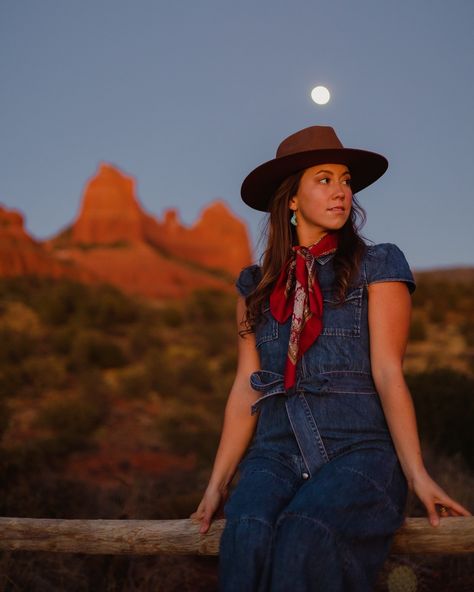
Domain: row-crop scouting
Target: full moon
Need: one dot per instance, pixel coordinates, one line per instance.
(320, 95)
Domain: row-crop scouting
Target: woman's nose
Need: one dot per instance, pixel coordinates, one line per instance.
(339, 191)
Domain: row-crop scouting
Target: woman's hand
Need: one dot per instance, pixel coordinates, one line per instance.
(212, 501)
(436, 501)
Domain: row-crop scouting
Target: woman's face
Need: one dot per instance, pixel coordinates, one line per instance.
(323, 201)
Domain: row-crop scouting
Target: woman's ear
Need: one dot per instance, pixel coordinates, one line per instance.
(293, 203)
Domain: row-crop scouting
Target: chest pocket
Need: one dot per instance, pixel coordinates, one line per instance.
(342, 319)
(267, 330)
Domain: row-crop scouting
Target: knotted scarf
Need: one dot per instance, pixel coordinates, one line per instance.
(297, 293)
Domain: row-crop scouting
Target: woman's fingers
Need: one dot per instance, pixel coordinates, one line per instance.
(444, 507)
(461, 510)
(205, 524)
(432, 513)
(204, 515)
(449, 507)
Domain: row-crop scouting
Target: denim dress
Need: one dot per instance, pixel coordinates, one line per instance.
(321, 490)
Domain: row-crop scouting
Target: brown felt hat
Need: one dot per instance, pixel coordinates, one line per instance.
(313, 145)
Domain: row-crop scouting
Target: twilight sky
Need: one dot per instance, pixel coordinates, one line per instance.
(188, 96)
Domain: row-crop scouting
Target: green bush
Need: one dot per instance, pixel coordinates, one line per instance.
(94, 350)
(62, 339)
(4, 417)
(418, 330)
(444, 405)
(437, 315)
(42, 373)
(62, 302)
(106, 307)
(71, 421)
(228, 364)
(171, 316)
(195, 371)
(143, 337)
(467, 329)
(197, 436)
(134, 383)
(65, 301)
(210, 306)
(11, 381)
(14, 346)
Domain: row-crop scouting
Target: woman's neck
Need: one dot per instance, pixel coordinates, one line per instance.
(306, 239)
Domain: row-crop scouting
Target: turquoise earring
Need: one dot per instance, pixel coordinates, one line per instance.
(293, 219)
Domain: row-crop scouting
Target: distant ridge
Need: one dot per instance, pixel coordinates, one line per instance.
(113, 239)
(447, 274)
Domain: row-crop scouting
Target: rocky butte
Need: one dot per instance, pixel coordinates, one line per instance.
(113, 239)
(20, 254)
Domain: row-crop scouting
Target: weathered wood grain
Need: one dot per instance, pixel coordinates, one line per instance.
(181, 537)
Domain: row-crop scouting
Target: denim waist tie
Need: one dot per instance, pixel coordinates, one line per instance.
(301, 419)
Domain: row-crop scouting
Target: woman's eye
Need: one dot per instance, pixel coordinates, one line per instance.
(347, 181)
(324, 180)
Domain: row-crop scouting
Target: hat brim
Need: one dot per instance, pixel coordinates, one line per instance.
(260, 185)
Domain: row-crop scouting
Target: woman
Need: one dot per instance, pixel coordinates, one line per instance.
(319, 416)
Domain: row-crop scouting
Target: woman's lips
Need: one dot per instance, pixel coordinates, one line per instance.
(337, 210)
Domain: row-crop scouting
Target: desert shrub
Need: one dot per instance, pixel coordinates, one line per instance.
(14, 346)
(134, 383)
(437, 296)
(171, 316)
(217, 337)
(228, 364)
(106, 307)
(72, 418)
(62, 301)
(444, 405)
(418, 330)
(467, 329)
(143, 336)
(62, 339)
(161, 371)
(4, 417)
(195, 371)
(94, 350)
(211, 306)
(437, 314)
(11, 380)
(42, 373)
(186, 432)
(65, 301)
(71, 421)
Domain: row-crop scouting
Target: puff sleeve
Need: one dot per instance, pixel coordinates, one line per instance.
(387, 263)
(248, 279)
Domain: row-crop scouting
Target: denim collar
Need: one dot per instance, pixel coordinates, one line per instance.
(325, 258)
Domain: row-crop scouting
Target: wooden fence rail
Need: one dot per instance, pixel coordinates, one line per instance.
(181, 537)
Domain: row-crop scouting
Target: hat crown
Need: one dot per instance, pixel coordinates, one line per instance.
(316, 137)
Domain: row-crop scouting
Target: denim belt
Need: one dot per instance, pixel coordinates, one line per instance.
(303, 423)
(271, 384)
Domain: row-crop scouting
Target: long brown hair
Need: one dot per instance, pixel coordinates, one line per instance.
(281, 237)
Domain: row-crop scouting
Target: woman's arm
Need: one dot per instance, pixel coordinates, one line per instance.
(238, 427)
(389, 321)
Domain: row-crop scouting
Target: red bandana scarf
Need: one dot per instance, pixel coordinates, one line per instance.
(297, 293)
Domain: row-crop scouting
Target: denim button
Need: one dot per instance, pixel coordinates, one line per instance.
(305, 475)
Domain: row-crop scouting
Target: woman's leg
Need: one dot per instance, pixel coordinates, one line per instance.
(336, 532)
(265, 487)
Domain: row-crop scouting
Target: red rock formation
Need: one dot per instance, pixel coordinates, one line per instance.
(21, 255)
(138, 268)
(110, 211)
(218, 240)
(116, 241)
